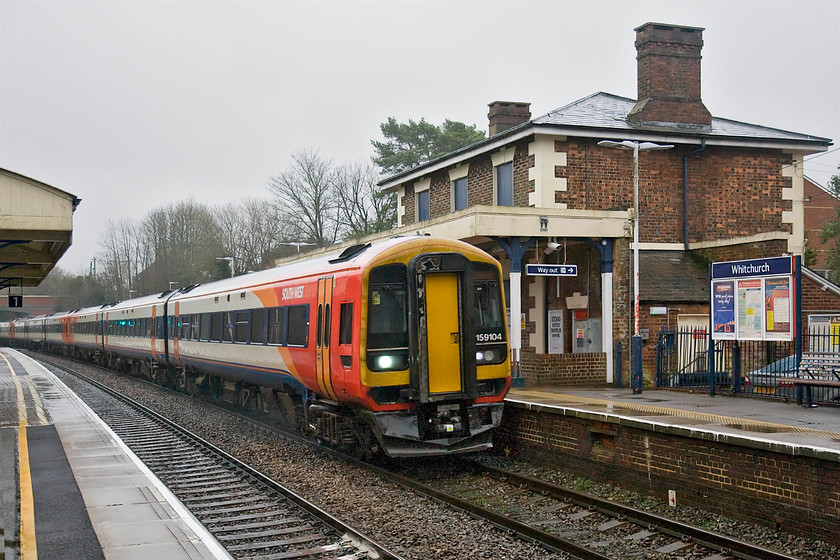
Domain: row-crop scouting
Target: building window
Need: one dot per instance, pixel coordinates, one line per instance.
(423, 205)
(504, 184)
(459, 193)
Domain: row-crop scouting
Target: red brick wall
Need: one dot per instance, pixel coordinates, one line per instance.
(796, 493)
(564, 369)
(732, 192)
(819, 208)
(816, 300)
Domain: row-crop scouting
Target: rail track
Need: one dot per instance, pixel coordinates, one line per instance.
(250, 514)
(559, 519)
(544, 512)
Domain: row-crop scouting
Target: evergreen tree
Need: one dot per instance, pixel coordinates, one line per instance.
(410, 144)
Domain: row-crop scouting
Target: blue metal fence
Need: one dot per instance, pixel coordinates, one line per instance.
(758, 368)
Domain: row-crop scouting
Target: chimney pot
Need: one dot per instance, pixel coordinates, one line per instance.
(506, 114)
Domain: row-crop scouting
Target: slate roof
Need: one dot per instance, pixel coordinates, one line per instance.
(608, 111)
(672, 276)
(606, 114)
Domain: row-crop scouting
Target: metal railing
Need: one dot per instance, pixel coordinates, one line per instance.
(760, 368)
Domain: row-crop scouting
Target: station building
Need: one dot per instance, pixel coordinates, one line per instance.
(545, 190)
(36, 229)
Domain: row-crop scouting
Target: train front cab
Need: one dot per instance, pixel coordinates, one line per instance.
(436, 357)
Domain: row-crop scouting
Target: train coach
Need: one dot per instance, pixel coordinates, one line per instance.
(398, 347)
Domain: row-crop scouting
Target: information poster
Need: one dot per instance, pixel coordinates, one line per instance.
(777, 301)
(555, 331)
(753, 299)
(750, 309)
(723, 309)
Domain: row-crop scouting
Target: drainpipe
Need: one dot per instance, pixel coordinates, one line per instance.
(685, 189)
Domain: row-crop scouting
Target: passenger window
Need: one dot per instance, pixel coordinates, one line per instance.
(184, 331)
(258, 326)
(345, 324)
(215, 327)
(327, 324)
(275, 325)
(194, 327)
(298, 330)
(227, 332)
(241, 331)
(205, 326)
(319, 327)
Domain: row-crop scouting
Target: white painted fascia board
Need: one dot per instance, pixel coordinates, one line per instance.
(697, 139)
(485, 221)
(757, 238)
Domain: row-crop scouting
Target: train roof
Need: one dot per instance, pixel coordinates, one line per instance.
(356, 256)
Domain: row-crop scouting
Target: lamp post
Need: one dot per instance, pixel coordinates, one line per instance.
(636, 347)
(230, 263)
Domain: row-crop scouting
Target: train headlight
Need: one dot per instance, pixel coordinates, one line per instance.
(486, 356)
(393, 360)
(490, 355)
(385, 362)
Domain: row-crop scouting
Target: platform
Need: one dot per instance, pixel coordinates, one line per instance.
(82, 493)
(754, 422)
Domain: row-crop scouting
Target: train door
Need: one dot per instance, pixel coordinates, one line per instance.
(105, 328)
(153, 337)
(443, 333)
(176, 350)
(323, 336)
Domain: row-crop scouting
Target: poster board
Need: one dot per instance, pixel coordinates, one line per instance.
(753, 300)
(555, 331)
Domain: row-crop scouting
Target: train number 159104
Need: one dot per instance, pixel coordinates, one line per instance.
(489, 337)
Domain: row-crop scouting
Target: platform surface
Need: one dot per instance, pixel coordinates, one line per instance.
(776, 425)
(83, 494)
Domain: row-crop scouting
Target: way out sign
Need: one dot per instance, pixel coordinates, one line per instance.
(551, 269)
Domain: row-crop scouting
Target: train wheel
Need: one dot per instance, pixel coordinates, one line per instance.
(217, 388)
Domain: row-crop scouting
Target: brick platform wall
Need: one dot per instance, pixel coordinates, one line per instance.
(796, 493)
(564, 369)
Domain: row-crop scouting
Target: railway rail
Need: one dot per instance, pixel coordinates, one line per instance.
(559, 519)
(542, 511)
(250, 514)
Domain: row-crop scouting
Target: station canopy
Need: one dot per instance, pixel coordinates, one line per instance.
(36, 229)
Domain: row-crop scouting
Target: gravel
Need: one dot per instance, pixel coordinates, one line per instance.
(410, 525)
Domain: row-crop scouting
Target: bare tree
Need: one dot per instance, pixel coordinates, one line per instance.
(185, 240)
(304, 192)
(122, 255)
(362, 208)
(251, 230)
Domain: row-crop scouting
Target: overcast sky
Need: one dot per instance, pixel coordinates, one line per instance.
(134, 105)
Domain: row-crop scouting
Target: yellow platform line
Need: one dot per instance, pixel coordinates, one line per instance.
(731, 421)
(28, 546)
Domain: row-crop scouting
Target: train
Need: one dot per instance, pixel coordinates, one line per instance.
(397, 348)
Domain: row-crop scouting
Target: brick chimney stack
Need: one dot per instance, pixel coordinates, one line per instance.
(669, 75)
(506, 114)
